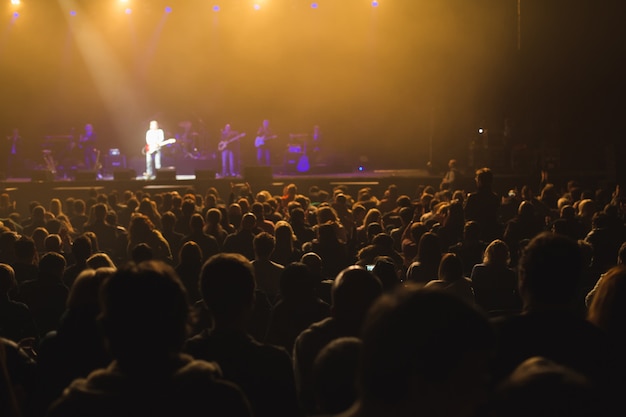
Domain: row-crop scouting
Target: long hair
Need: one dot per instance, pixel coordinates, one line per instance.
(140, 227)
(497, 253)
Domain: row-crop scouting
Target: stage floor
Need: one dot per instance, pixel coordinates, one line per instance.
(44, 176)
(43, 186)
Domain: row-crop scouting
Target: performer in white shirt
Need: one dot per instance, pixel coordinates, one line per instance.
(154, 139)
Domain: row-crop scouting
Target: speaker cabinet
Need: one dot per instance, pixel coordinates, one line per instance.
(124, 174)
(113, 162)
(41, 175)
(205, 174)
(168, 173)
(259, 175)
(85, 175)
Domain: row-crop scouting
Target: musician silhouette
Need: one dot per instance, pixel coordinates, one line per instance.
(264, 134)
(87, 142)
(227, 136)
(11, 154)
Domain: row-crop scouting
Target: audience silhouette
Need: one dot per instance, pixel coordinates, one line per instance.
(308, 301)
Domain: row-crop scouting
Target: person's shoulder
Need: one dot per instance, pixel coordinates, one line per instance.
(157, 234)
(317, 328)
(209, 237)
(28, 285)
(415, 264)
(481, 267)
(18, 308)
(436, 284)
(198, 368)
(456, 248)
(203, 337)
(270, 352)
(197, 342)
(83, 393)
(200, 383)
(277, 266)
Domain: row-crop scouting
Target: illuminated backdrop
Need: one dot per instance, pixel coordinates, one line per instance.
(383, 80)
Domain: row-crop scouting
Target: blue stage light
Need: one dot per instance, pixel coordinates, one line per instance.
(216, 8)
(168, 9)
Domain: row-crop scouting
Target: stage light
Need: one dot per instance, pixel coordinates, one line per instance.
(123, 1)
(257, 7)
(216, 8)
(72, 12)
(15, 2)
(314, 5)
(16, 15)
(168, 9)
(374, 3)
(128, 11)
(481, 130)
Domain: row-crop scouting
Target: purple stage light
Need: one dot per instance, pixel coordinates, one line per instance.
(216, 8)
(374, 3)
(314, 5)
(16, 14)
(168, 9)
(72, 12)
(128, 11)
(257, 7)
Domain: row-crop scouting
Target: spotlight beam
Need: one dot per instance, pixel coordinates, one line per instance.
(110, 78)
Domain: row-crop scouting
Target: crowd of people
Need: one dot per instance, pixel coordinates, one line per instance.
(436, 302)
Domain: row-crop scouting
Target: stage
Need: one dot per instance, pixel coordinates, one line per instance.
(43, 185)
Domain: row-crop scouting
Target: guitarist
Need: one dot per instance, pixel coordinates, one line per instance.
(154, 138)
(227, 136)
(264, 134)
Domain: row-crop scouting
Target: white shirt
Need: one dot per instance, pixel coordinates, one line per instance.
(153, 138)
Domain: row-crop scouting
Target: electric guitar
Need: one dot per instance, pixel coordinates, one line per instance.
(152, 149)
(260, 140)
(224, 143)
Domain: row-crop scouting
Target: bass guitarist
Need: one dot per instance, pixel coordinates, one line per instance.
(264, 134)
(227, 137)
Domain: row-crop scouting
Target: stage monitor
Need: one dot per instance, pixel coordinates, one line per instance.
(205, 174)
(124, 174)
(85, 175)
(165, 174)
(41, 175)
(258, 174)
